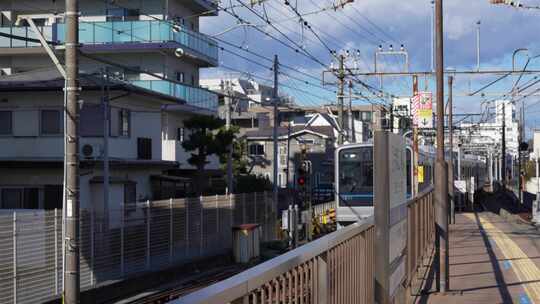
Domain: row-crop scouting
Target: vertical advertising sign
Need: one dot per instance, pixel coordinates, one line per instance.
(422, 110)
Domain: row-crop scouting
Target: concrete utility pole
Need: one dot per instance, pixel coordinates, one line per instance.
(341, 84)
(275, 131)
(478, 45)
(228, 96)
(451, 148)
(503, 145)
(72, 269)
(350, 129)
(288, 153)
(106, 181)
(441, 170)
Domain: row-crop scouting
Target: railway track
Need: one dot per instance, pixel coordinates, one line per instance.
(188, 286)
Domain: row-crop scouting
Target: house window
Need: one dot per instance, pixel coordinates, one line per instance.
(366, 116)
(180, 134)
(144, 148)
(6, 124)
(20, 198)
(256, 149)
(51, 122)
(283, 156)
(122, 14)
(180, 76)
(124, 122)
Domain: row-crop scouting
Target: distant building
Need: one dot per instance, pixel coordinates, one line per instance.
(489, 134)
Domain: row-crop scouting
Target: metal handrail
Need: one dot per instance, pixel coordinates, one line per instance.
(250, 280)
(422, 194)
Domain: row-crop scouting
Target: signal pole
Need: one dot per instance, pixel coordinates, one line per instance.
(441, 169)
(275, 132)
(72, 268)
(341, 84)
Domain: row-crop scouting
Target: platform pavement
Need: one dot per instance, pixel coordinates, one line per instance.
(491, 261)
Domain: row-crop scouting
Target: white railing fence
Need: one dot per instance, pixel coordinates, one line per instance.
(145, 237)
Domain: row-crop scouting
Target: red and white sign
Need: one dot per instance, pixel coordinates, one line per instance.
(422, 110)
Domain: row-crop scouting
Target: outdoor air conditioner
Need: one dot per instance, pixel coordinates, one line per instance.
(91, 151)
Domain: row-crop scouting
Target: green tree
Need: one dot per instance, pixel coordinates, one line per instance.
(207, 136)
(239, 155)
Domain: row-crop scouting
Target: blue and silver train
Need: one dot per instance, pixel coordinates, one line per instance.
(354, 177)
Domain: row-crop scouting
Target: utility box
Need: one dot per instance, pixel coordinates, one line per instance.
(246, 242)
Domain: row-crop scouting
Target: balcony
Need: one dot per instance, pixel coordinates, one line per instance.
(118, 35)
(193, 96)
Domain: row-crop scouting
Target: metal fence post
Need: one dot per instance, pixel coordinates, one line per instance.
(202, 226)
(171, 239)
(217, 215)
(55, 251)
(231, 209)
(243, 208)
(255, 207)
(92, 246)
(186, 206)
(148, 205)
(122, 240)
(14, 257)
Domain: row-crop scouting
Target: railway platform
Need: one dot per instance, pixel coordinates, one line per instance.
(491, 261)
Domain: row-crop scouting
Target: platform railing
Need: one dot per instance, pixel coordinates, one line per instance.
(337, 268)
(420, 233)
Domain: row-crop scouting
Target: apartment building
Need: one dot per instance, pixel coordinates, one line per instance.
(152, 52)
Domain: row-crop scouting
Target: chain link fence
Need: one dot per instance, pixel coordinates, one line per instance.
(132, 240)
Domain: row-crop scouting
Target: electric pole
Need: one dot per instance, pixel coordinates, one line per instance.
(451, 142)
(350, 127)
(503, 145)
(275, 131)
(106, 181)
(441, 169)
(228, 96)
(72, 269)
(341, 84)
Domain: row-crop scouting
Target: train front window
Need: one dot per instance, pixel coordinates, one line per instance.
(356, 176)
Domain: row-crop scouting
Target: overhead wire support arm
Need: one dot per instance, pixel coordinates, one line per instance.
(44, 43)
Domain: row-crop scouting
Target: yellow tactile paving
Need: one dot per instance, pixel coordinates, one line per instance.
(523, 267)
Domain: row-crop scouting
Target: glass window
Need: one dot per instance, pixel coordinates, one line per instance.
(124, 122)
(256, 149)
(20, 198)
(6, 125)
(356, 176)
(180, 134)
(51, 122)
(180, 76)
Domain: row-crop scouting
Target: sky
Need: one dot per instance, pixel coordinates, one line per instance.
(364, 25)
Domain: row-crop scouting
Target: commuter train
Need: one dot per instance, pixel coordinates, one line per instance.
(354, 177)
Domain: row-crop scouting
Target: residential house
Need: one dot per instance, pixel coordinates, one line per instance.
(152, 52)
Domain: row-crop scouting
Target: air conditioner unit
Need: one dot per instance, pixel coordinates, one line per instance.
(91, 151)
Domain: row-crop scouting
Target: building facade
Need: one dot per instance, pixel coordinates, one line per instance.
(151, 52)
